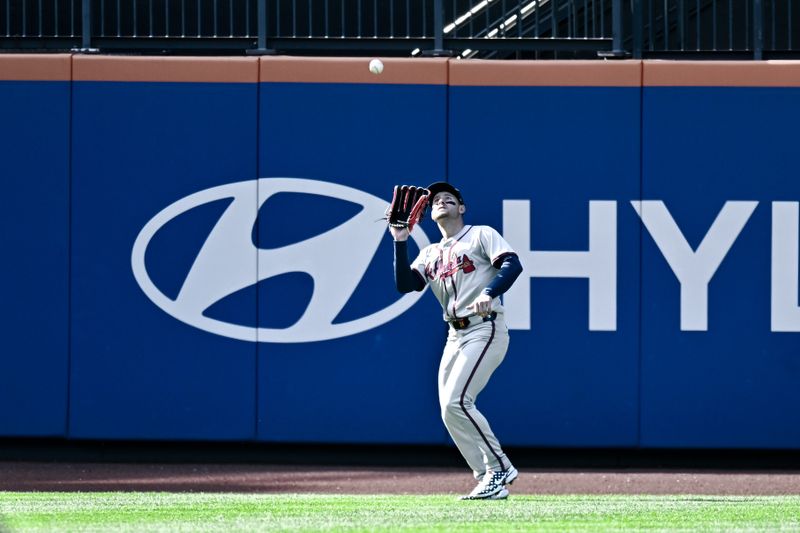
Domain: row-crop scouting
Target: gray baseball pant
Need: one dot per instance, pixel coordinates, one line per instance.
(470, 357)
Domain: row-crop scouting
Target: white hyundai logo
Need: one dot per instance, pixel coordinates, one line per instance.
(229, 261)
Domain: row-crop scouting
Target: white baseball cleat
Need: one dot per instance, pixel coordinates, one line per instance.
(493, 485)
(502, 495)
(511, 476)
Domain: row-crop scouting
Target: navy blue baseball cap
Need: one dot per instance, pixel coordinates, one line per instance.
(443, 186)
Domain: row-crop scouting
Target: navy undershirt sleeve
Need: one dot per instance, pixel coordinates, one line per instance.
(510, 269)
(405, 277)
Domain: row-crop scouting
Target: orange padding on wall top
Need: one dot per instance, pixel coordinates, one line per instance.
(721, 73)
(426, 71)
(166, 69)
(577, 73)
(35, 67)
(423, 71)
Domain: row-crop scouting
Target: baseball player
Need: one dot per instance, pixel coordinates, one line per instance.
(467, 270)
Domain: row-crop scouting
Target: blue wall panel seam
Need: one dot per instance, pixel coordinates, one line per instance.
(641, 272)
(257, 395)
(70, 103)
(446, 177)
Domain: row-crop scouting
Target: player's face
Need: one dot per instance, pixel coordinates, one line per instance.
(445, 205)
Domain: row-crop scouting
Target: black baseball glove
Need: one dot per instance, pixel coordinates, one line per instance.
(407, 207)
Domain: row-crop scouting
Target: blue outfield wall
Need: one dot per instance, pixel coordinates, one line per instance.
(206, 260)
(734, 383)
(378, 383)
(560, 384)
(138, 147)
(34, 239)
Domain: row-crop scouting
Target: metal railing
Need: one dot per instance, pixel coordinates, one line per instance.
(469, 28)
(716, 28)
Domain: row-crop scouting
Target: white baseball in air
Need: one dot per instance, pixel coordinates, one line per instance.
(376, 66)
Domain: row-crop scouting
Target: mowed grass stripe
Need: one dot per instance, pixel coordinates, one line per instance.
(131, 511)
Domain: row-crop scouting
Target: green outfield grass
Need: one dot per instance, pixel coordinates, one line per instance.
(118, 511)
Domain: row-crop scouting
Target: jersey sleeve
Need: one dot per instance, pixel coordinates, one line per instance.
(494, 246)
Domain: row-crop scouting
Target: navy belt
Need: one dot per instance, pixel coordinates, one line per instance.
(464, 323)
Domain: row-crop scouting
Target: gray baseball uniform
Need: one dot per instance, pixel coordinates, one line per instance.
(458, 269)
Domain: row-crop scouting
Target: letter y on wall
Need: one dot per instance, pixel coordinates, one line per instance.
(694, 268)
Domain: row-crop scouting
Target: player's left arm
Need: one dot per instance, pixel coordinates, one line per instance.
(508, 270)
(503, 258)
(508, 266)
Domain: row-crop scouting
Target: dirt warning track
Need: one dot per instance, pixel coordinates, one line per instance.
(265, 478)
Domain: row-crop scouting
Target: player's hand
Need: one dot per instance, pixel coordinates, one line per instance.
(482, 305)
(399, 234)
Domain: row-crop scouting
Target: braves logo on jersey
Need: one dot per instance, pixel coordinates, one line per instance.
(441, 271)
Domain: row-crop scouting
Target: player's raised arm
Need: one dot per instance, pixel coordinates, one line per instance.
(405, 278)
(406, 209)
